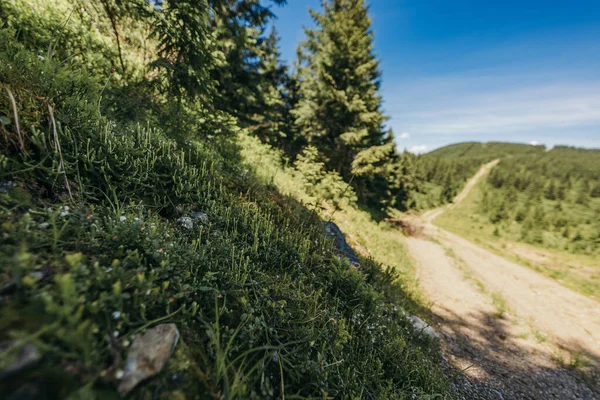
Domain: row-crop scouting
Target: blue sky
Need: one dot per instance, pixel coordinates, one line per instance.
(483, 70)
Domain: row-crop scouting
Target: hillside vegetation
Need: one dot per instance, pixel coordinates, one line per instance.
(442, 173)
(553, 196)
(547, 200)
(485, 151)
(136, 190)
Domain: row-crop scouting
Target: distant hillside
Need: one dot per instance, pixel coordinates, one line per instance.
(545, 198)
(485, 151)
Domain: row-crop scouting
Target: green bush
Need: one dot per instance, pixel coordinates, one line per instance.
(319, 182)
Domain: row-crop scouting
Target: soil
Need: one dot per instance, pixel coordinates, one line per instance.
(516, 333)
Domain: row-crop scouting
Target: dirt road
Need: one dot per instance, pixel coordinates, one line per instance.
(512, 328)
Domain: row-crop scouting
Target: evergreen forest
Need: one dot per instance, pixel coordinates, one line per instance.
(543, 197)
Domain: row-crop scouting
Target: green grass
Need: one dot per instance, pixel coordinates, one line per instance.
(256, 278)
(376, 240)
(465, 220)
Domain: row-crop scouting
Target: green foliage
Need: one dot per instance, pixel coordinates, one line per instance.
(319, 182)
(424, 181)
(253, 83)
(339, 111)
(99, 242)
(184, 46)
(485, 152)
(548, 192)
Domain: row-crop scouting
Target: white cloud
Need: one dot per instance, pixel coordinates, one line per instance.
(534, 143)
(404, 135)
(470, 107)
(420, 149)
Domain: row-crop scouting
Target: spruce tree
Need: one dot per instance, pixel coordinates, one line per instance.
(447, 194)
(249, 73)
(405, 181)
(339, 111)
(595, 192)
(550, 191)
(268, 116)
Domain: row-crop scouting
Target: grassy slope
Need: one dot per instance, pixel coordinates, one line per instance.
(378, 241)
(262, 300)
(464, 220)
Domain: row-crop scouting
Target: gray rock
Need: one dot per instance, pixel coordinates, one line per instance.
(186, 222)
(423, 328)
(148, 355)
(26, 356)
(339, 240)
(199, 216)
(6, 185)
(36, 275)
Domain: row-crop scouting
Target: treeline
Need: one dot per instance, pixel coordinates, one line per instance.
(553, 196)
(486, 151)
(432, 181)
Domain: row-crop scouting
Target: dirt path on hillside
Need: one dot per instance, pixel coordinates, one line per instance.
(430, 215)
(507, 325)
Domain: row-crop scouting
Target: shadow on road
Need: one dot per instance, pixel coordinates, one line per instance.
(485, 348)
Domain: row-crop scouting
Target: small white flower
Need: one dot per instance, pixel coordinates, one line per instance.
(119, 374)
(122, 218)
(116, 315)
(41, 57)
(116, 333)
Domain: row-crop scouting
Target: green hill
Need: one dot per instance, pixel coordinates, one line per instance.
(547, 200)
(485, 151)
(551, 197)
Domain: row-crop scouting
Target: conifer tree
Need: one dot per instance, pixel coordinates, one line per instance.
(550, 192)
(405, 181)
(595, 192)
(447, 194)
(269, 115)
(339, 111)
(249, 74)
